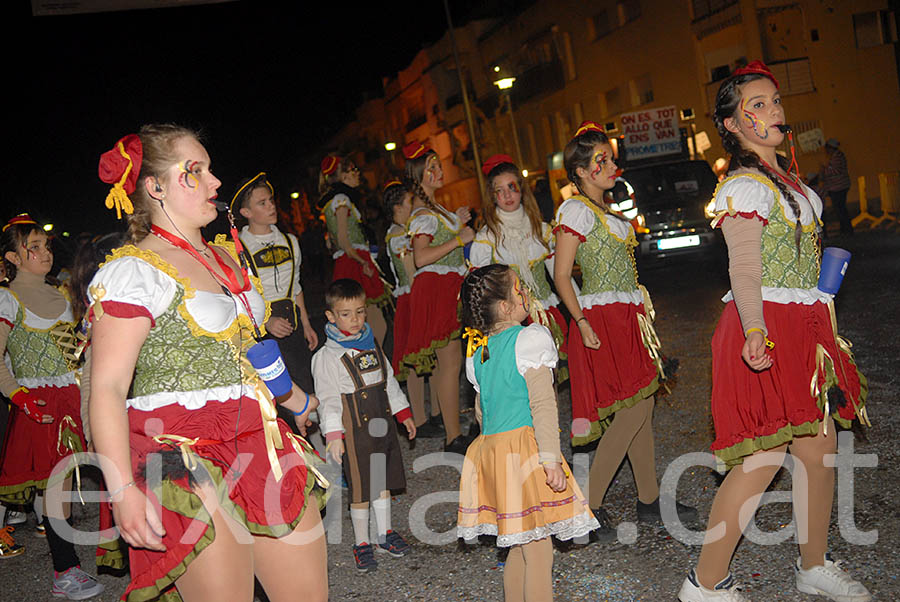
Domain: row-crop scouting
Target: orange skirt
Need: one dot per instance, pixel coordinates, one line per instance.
(503, 492)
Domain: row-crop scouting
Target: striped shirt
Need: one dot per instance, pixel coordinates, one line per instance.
(835, 176)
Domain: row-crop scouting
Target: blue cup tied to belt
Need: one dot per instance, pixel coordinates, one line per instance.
(834, 265)
(266, 358)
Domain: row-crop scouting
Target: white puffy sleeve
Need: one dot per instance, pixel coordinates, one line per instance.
(745, 195)
(423, 223)
(470, 374)
(129, 287)
(535, 348)
(481, 253)
(575, 217)
(9, 307)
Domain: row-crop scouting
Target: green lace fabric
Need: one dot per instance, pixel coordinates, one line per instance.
(539, 273)
(34, 353)
(454, 258)
(607, 262)
(175, 359)
(781, 265)
(354, 230)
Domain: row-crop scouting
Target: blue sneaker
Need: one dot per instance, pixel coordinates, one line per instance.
(365, 558)
(395, 545)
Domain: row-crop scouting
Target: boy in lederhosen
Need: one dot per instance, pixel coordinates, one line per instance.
(357, 395)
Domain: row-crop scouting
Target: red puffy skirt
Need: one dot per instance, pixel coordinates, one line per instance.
(754, 411)
(401, 331)
(33, 449)
(616, 376)
(232, 451)
(345, 267)
(433, 318)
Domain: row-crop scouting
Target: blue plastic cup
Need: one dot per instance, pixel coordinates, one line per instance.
(266, 358)
(834, 265)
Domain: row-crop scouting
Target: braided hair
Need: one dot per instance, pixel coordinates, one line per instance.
(728, 100)
(578, 153)
(415, 171)
(481, 291)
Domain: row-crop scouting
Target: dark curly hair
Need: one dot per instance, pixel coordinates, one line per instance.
(481, 290)
(728, 100)
(578, 153)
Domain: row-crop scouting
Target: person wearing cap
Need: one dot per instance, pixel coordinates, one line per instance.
(438, 237)
(339, 186)
(210, 489)
(781, 377)
(614, 353)
(37, 331)
(835, 182)
(514, 234)
(274, 257)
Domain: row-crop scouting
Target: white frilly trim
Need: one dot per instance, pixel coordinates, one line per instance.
(442, 269)
(63, 380)
(340, 252)
(805, 296)
(190, 400)
(535, 348)
(609, 297)
(401, 290)
(564, 530)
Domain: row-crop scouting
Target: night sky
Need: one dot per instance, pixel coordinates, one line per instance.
(264, 85)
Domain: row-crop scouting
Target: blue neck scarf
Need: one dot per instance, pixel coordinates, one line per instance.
(363, 340)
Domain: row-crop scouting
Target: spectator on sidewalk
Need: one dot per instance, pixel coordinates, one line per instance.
(836, 182)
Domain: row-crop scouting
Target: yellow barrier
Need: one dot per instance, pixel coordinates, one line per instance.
(887, 183)
(863, 205)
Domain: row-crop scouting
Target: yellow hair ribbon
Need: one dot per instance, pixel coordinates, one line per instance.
(117, 196)
(476, 340)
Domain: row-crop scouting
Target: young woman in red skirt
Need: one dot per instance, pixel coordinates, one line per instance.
(37, 329)
(614, 360)
(438, 237)
(514, 235)
(781, 374)
(207, 485)
(338, 185)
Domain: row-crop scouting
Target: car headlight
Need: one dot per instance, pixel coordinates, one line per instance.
(710, 209)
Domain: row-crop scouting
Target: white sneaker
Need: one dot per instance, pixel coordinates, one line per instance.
(75, 584)
(14, 517)
(832, 581)
(725, 590)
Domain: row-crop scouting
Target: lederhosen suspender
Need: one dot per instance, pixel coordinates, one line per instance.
(255, 269)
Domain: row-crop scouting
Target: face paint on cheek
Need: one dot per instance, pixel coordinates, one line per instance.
(758, 125)
(522, 292)
(598, 159)
(188, 179)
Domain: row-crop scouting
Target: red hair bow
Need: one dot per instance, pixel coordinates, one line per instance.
(758, 68)
(587, 126)
(414, 150)
(495, 160)
(330, 164)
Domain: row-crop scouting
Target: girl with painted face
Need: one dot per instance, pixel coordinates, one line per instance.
(775, 325)
(525, 501)
(178, 412)
(338, 185)
(438, 237)
(614, 360)
(37, 330)
(514, 235)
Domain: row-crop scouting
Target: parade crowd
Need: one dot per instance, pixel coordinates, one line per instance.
(157, 355)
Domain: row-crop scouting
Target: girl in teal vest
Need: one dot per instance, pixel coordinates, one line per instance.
(515, 484)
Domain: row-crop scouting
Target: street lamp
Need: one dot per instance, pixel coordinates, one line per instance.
(48, 227)
(389, 146)
(505, 85)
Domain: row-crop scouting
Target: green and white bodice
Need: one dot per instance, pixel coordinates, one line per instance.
(399, 246)
(354, 220)
(38, 346)
(786, 277)
(537, 258)
(440, 228)
(193, 352)
(605, 255)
